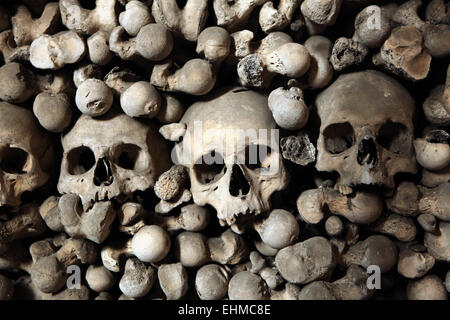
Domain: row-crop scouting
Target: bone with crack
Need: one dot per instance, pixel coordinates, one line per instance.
(135, 16)
(10, 51)
(413, 64)
(433, 150)
(280, 229)
(26, 223)
(271, 19)
(191, 218)
(233, 16)
(350, 287)
(430, 287)
(110, 157)
(53, 52)
(173, 280)
(197, 77)
(214, 44)
(153, 42)
(288, 108)
(311, 203)
(26, 29)
(137, 279)
(18, 83)
(26, 157)
(320, 71)
(150, 244)
(370, 32)
(375, 250)
(258, 69)
(141, 99)
(298, 149)
(98, 48)
(414, 261)
(247, 286)
(364, 148)
(99, 279)
(403, 228)
(85, 21)
(232, 186)
(346, 53)
(94, 97)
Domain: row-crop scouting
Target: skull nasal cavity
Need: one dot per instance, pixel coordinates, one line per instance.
(238, 183)
(367, 152)
(103, 175)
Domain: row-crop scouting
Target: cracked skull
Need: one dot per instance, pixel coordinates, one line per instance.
(366, 132)
(110, 157)
(25, 154)
(231, 150)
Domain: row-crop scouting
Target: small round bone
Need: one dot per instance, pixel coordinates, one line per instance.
(211, 282)
(135, 16)
(320, 71)
(53, 112)
(137, 280)
(53, 52)
(196, 77)
(322, 12)
(433, 151)
(171, 109)
(151, 244)
(428, 288)
(334, 226)
(173, 280)
(190, 249)
(86, 21)
(306, 261)
(363, 208)
(427, 222)
(99, 278)
(413, 263)
(247, 286)
(365, 31)
(214, 44)
(279, 230)
(141, 100)
(26, 29)
(98, 48)
(375, 250)
(94, 97)
(288, 108)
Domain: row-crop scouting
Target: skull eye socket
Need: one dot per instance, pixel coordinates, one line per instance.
(394, 137)
(80, 160)
(128, 156)
(339, 137)
(258, 157)
(14, 160)
(210, 167)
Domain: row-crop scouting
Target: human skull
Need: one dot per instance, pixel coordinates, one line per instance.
(233, 164)
(25, 154)
(110, 156)
(366, 131)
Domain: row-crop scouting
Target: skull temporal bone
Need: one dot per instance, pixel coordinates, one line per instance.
(366, 130)
(110, 156)
(26, 154)
(235, 125)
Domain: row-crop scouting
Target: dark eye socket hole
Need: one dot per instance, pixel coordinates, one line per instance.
(14, 160)
(210, 167)
(88, 4)
(181, 3)
(394, 137)
(257, 157)
(127, 156)
(80, 160)
(339, 137)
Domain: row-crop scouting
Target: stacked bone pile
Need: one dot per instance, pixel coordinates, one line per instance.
(108, 192)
